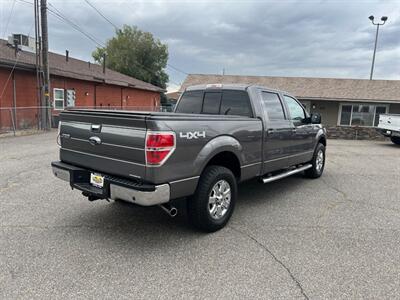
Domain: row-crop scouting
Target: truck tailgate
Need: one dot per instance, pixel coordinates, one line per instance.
(112, 142)
(389, 122)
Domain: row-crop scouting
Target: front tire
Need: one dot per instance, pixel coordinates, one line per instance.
(318, 162)
(211, 207)
(395, 140)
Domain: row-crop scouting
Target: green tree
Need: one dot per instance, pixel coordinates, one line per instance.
(136, 53)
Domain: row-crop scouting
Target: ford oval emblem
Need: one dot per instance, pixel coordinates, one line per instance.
(95, 140)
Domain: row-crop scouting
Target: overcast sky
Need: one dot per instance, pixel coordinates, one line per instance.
(276, 38)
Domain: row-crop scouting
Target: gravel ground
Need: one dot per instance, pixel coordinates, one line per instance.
(336, 237)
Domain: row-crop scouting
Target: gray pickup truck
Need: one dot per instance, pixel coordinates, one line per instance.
(218, 136)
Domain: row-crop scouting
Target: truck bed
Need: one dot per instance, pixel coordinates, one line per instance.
(123, 133)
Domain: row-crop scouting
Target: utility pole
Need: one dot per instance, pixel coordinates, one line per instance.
(38, 65)
(46, 111)
(383, 19)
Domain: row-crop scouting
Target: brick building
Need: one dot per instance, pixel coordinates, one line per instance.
(73, 83)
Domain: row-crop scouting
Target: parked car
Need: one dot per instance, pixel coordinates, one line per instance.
(218, 136)
(389, 125)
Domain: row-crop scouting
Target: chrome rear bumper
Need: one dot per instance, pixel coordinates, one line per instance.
(114, 188)
(160, 195)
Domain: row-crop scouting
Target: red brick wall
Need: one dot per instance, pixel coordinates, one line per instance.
(81, 88)
(108, 96)
(102, 95)
(5, 100)
(88, 94)
(25, 83)
(25, 97)
(26, 92)
(139, 98)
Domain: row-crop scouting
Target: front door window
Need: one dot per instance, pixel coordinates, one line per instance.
(296, 111)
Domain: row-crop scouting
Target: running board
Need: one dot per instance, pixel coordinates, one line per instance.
(286, 174)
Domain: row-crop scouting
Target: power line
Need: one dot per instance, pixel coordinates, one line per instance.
(99, 12)
(66, 21)
(13, 68)
(61, 16)
(24, 1)
(116, 27)
(176, 69)
(56, 13)
(9, 18)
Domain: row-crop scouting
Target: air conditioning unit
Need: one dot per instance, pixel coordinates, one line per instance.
(23, 42)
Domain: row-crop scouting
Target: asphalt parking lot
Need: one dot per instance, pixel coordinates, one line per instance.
(336, 237)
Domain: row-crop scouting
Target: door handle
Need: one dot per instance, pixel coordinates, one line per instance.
(294, 130)
(95, 127)
(270, 131)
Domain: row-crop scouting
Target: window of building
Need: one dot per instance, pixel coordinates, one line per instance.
(361, 114)
(58, 95)
(272, 106)
(295, 109)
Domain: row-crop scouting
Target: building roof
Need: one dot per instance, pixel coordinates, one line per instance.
(173, 95)
(73, 68)
(312, 88)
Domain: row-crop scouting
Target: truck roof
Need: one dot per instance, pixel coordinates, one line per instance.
(229, 86)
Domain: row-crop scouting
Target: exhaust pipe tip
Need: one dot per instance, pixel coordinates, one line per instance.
(172, 211)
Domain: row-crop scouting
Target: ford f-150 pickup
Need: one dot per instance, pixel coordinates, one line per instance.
(218, 136)
(389, 126)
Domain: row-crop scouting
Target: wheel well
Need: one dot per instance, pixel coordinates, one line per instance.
(228, 160)
(322, 140)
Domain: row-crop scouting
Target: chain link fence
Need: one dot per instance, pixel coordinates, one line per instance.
(13, 119)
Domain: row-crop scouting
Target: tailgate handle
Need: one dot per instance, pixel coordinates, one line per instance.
(95, 140)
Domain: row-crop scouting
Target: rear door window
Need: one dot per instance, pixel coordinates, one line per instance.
(236, 103)
(190, 103)
(211, 103)
(273, 106)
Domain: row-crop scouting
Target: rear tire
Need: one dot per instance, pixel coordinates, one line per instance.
(212, 205)
(395, 140)
(318, 163)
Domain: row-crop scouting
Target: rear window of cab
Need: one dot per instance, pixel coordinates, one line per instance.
(217, 102)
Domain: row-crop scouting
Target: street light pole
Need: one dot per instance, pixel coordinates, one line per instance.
(383, 19)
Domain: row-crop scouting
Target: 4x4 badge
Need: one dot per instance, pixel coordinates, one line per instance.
(192, 135)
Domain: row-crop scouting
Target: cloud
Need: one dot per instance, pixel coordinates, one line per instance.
(281, 38)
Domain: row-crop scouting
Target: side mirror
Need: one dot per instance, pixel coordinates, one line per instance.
(315, 118)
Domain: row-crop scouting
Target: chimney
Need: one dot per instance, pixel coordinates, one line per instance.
(88, 64)
(66, 55)
(104, 63)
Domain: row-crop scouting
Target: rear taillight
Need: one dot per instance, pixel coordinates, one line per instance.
(58, 134)
(159, 146)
